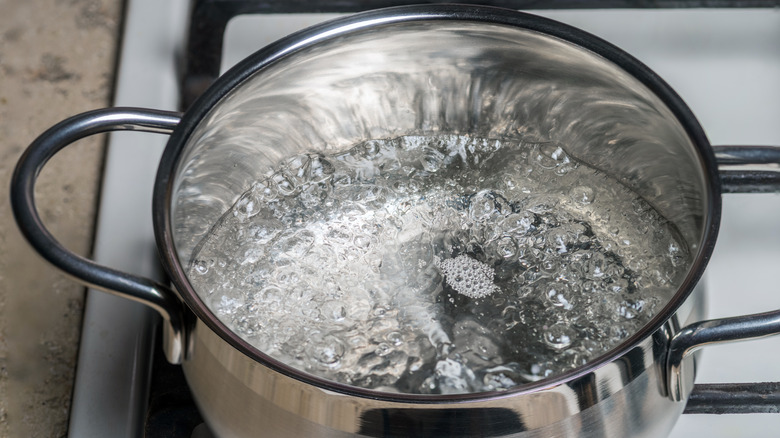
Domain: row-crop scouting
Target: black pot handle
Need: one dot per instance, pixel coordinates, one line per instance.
(743, 169)
(153, 294)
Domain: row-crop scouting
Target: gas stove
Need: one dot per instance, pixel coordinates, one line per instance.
(723, 62)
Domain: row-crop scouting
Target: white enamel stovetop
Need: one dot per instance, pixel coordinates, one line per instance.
(724, 63)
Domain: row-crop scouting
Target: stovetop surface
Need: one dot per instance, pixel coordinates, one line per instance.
(723, 63)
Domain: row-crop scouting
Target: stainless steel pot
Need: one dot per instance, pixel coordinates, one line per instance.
(419, 70)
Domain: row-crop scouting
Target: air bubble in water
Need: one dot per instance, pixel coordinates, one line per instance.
(631, 309)
(559, 295)
(334, 310)
(284, 184)
(559, 336)
(583, 195)
(520, 223)
(383, 349)
(247, 206)
(552, 156)
(432, 159)
(263, 231)
(320, 169)
(486, 205)
(506, 247)
(201, 267)
(298, 168)
(327, 351)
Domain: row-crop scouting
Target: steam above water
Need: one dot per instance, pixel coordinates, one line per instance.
(438, 264)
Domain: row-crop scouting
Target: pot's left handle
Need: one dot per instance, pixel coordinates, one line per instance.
(149, 292)
(743, 169)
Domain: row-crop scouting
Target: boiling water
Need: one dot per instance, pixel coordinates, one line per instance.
(441, 264)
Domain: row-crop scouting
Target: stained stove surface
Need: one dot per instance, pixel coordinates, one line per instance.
(724, 63)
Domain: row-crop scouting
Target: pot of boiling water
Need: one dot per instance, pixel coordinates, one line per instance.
(428, 221)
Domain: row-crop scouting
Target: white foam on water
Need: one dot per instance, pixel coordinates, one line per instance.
(468, 276)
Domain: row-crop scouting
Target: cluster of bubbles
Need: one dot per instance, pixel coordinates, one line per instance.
(438, 264)
(468, 276)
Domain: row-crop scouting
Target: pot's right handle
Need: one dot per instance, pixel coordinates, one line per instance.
(144, 290)
(748, 169)
(743, 169)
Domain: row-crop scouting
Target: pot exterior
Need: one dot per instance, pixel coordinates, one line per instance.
(494, 71)
(240, 397)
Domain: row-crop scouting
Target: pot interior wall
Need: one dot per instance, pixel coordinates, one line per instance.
(438, 77)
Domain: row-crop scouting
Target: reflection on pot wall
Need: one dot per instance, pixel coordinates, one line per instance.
(622, 398)
(480, 80)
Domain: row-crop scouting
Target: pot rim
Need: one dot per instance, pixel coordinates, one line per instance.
(163, 188)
